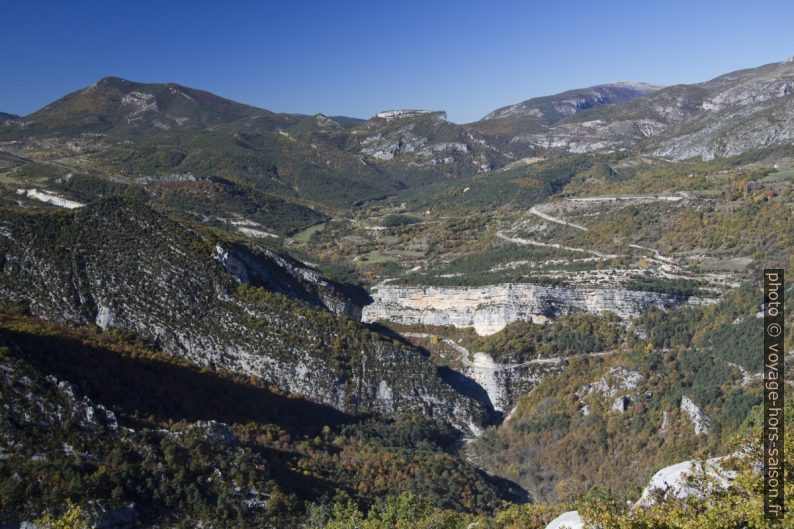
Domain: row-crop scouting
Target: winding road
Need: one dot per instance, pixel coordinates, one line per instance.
(545, 216)
(532, 242)
(464, 354)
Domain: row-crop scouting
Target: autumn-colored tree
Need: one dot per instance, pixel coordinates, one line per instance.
(72, 518)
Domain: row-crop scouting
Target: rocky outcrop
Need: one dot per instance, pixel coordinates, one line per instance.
(700, 421)
(389, 115)
(46, 420)
(567, 520)
(738, 111)
(489, 309)
(22, 403)
(592, 135)
(618, 384)
(674, 481)
(494, 384)
(504, 383)
(49, 198)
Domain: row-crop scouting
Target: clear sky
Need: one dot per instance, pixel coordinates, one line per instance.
(359, 57)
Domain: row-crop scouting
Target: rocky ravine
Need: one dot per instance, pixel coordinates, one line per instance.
(489, 309)
(502, 383)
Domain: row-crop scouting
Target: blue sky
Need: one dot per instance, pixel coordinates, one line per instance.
(358, 57)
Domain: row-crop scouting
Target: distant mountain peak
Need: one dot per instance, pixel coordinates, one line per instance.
(116, 104)
(554, 107)
(112, 82)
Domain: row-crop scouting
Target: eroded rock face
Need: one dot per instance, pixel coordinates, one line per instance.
(593, 135)
(671, 482)
(504, 383)
(617, 384)
(700, 421)
(741, 110)
(489, 309)
(21, 402)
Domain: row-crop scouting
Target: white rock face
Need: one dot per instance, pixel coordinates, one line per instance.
(386, 147)
(617, 379)
(503, 383)
(673, 481)
(700, 420)
(665, 422)
(718, 118)
(50, 198)
(324, 122)
(181, 93)
(441, 147)
(259, 234)
(489, 309)
(592, 135)
(104, 317)
(489, 375)
(567, 520)
(139, 102)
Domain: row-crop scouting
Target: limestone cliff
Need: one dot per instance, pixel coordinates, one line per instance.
(488, 309)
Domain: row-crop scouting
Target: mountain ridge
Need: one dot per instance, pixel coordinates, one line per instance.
(212, 303)
(578, 98)
(409, 147)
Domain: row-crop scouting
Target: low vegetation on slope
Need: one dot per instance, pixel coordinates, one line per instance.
(88, 418)
(739, 506)
(119, 263)
(102, 440)
(685, 385)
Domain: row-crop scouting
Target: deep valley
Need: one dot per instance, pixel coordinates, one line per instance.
(215, 315)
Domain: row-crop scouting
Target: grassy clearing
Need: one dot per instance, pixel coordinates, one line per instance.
(376, 256)
(305, 235)
(784, 175)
